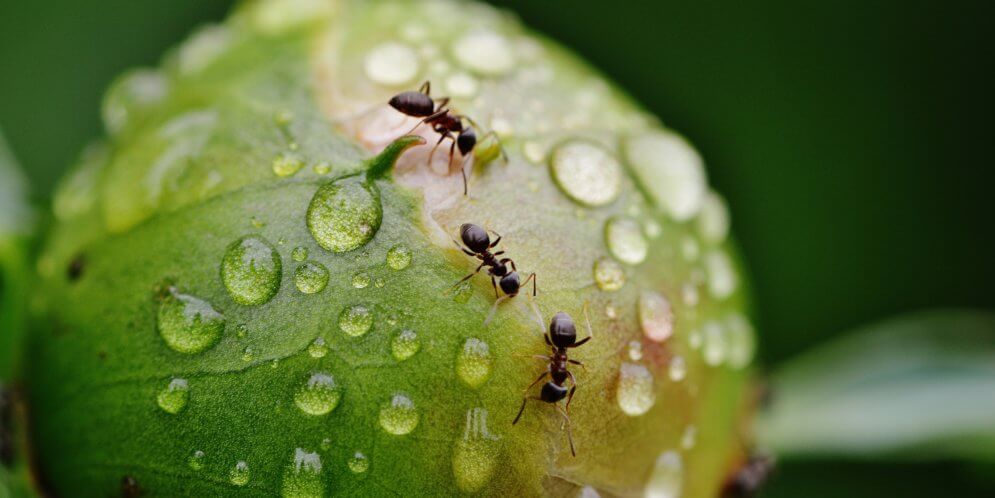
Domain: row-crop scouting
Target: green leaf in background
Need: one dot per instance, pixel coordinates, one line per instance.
(921, 386)
(15, 227)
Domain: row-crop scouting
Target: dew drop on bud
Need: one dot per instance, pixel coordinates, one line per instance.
(311, 277)
(251, 271)
(635, 392)
(625, 240)
(474, 362)
(355, 320)
(344, 214)
(173, 398)
(302, 478)
(188, 324)
(319, 395)
(476, 452)
(399, 416)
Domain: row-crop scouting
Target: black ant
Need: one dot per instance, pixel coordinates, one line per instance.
(478, 244)
(442, 120)
(561, 337)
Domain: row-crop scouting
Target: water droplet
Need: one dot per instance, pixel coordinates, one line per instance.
(689, 294)
(256, 222)
(678, 369)
(474, 362)
(405, 345)
(248, 354)
(611, 311)
(391, 64)
(484, 52)
(635, 350)
(344, 214)
(667, 477)
(609, 275)
(713, 220)
(311, 277)
(379, 283)
(326, 444)
(322, 168)
(462, 85)
(463, 292)
(399, 416)
(358, 463)
(635, 393)
(130, 95)
(741, 340)
(251, 271)
(714, 346)
(670, 170)
(475, 455)
(287, 164)
(355, 320)
(319, 395)
(399, 257)
(241, 331)
(188, 324)
(652, 229)
(534, 153)
(625, 240)
(586, 172)
(240, 474)
(196, 460)
(689, 438)
(173, 398)
(299, 254)
(302, 478)
(361, 280)
(722, 280)
(318, 348)
(656, 316)
(275, 363)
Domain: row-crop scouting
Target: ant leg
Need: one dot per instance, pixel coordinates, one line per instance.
(541, 357)
(522, 409)
(462, 170)
(538, 379)
(579, 364)
(549, 342)
(570, 396)
(504, 155)
(533, 278)
(494, 309)
(496, 241)
(570, 437)
(508, 260)
(464, 279)
(494, 284)
(441, 138)
(425, 87)
(441, 104)
(580, 342)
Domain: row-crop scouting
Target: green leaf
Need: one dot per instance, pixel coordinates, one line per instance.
(921, 386)
(15, 227)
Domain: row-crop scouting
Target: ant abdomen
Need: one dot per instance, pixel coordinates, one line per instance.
(415, 104)
(551, 393)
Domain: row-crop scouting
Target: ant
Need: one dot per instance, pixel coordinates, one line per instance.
(478, 244)
(419, 104)
(750, 477)
(561, 337)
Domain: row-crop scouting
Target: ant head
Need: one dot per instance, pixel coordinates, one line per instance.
(551, 393)
(475, 237)
(510, 283)
(467, 140)
(415, 104)
(562, 330)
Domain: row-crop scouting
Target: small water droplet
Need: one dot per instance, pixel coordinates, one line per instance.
(399, 257)
(689, 294)
(302, 478)
(275, 363)
(358, 463)
(713, 220)
(678, 369)
(299, 254)
(656, 316)
(322, 168)
(741, 340)
(715, 347)
(405, 345)
(251, 271)
(652, 229)
(361, 280)
(635, 350)
(256, 222)
(399, 416)
(196, 460)
(355, 320)
(475, 455)
(609, 275)
(287, 164)
(625, 240)
(722, 280)
(463, 292)
(689, 438)
(319, 395)
(474, 362)
(670, 170)
(344, 214)
(311, 277)
(241, 331)
(248, 354)
(635, 393)
(188, 324)
(586, 172)
(391, 64)
(484, 52)
(318, 348)
(667, 477)
(379, 282)
(326, 444)
(173, 398)
(240, 474)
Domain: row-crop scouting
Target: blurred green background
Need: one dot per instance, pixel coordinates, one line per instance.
(853, 140)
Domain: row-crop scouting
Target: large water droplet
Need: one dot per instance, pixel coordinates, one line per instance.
(302, 478)
(344, 214)
(355, 320)
(391, 64)
(358, 463)
(399, 257)
(635, 392)
(287, 164)
(670, 170)
(319, 395)
(475, 454)
(714, 345)
(608, 274)
(399, 416)
(667, 477)
(474, 362)
(656, 316)
(484, 52)
(299, 254)
(240, 473)
(311, 277)
(625, 240)
(713, 220)
(173, 398)
(188, 324)
(586, 172)
(361, 280)
(196, 460)
(722, 279)
(678, 368)
(405, 345)
(251, 271)
(741, 340)
(318, 348)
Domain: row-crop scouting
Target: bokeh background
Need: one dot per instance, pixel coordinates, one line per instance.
(853, 140)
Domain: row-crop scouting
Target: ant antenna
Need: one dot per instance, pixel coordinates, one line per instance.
(587, 319)
(494, 309)
(538, 315)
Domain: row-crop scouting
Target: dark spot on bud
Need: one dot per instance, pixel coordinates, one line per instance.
(130, 488)
(76, 267)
